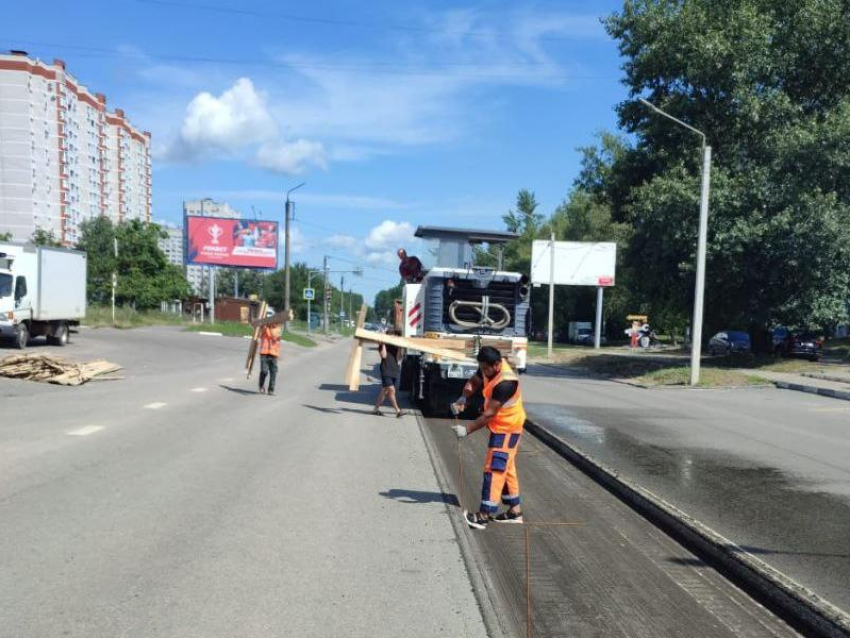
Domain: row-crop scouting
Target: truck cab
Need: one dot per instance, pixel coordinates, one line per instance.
(466, 301)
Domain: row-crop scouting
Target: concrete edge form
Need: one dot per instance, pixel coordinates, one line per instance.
(813, 389)
(798, 605)
(482, 586)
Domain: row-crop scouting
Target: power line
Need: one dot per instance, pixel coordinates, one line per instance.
(339, 22)
(390, 68)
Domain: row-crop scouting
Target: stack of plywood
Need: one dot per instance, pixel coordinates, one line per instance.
(48, 369)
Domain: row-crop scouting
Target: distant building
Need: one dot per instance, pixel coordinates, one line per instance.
(172, 245)
(64, 158)
(198, 276)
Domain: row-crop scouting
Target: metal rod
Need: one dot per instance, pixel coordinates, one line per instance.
(551, 290)
(699, 293)
(597, 337)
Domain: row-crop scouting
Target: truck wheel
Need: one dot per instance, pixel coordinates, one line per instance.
(23, 336)
(60, 336)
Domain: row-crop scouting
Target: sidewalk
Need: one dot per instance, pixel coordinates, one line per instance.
(835, 386)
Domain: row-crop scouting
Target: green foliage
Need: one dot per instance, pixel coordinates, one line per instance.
(250, 282)
(145, 278)
(384, 302)
(274, 287)
(5, 236)
(769, 84)
(43, 237)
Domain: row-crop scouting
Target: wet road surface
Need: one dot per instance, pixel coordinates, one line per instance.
(597, 568)
(769, 469)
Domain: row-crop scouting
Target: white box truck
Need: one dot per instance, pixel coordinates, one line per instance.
(42, 293)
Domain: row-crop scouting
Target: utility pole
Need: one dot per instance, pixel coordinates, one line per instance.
(350, 303)
(341, 301)
(212, 294)
(309, 314)
(325, 299)
(551, 291)
(114, 279)
(286, 251)
(236, 282)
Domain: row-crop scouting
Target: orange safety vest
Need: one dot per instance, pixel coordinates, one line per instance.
(511, 416)
(270, 340)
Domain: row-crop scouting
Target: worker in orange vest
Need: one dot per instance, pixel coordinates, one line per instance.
(269, 353)
(504, 416)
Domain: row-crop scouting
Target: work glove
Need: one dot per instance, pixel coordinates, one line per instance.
(458, 406)
(460, 431)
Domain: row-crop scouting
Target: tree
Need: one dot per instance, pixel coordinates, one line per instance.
(43, 237)
(384, 302)
(769, 84)
(5, 236)
(145, 278)
(250, 282)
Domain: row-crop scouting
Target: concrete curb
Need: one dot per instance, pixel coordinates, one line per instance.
(798, 605)
(827, 377)
(482, 584)
(643, 386)
(844, 395)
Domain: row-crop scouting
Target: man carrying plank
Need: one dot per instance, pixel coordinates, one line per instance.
(269, 354)
(504, 416)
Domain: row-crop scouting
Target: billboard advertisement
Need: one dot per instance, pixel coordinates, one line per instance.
(576, 263)
(233, 243)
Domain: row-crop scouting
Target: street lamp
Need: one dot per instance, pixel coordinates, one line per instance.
(288, 212)
(699, 294)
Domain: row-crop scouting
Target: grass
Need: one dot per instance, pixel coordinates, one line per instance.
(126, 317)
(709, 378)
(234, 329)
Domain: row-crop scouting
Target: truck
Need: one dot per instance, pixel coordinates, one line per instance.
(462, 305)
(42, 293)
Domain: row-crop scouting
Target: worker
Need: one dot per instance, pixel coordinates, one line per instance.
(269, 354)
(390, 356)
(410, 268)
(504, 416)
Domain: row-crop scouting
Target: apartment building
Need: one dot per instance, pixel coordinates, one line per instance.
(198, 276)
(64, 158)
(172, 244)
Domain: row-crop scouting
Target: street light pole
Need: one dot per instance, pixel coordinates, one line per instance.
(286, 251)
(699, 292)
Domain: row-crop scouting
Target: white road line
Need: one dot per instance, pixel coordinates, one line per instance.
(210, 334)
(226, 379)
(89, 429)
(199, 389)
(155, 406)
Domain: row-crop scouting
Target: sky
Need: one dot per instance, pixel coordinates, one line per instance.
(395, 114)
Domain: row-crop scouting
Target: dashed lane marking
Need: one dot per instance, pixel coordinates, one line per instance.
(155, 406)
(199, 389)
(89, 429)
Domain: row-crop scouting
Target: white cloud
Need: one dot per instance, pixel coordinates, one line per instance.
(225, 124)
(291, 158)
(389, 234)
(344, 242)
(298, 242)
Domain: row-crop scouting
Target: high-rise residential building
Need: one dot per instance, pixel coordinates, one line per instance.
(64, 158)
(198, 276)
(172, 244)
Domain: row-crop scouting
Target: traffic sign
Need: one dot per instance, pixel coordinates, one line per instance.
(309, 294)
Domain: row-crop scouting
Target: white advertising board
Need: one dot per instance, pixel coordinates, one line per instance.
(576, 263)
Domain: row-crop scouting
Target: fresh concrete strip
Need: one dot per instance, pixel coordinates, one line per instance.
(85, 431)
(784, 596)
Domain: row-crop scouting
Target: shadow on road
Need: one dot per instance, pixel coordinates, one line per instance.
(365, 396)
(321, 409)
(241, 391)
(418, 496)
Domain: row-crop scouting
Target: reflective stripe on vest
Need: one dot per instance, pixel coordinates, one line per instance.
(511, 416)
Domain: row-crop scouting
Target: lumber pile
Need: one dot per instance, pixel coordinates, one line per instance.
(49, 369)
(255, 342)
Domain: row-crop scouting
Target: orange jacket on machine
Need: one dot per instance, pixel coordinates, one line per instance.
(500, 476)
(270, 340)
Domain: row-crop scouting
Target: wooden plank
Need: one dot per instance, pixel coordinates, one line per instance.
(355, 361)
(252, 347)
(276, 319)
(402, 342)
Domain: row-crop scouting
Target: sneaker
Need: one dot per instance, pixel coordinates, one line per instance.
(508, 517)
(262, 390)
(377, 412)
(474, 520)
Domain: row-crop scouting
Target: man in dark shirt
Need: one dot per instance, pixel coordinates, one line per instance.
(410, 268)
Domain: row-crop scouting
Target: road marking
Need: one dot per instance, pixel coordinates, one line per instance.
(155, 406)
(89, 429)
(210, 334)
(226, 379)
(842, 409)
(199, 389)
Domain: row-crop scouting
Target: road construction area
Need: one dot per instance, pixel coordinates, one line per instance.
(179, 502)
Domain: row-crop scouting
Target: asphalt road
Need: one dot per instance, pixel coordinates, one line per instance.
(179, 503)
(767, 468)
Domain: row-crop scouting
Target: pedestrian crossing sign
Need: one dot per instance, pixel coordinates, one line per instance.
(309, 294)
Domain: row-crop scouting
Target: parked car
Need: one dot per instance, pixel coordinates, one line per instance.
(780, 336)
(729, 342)
(802, 344)
(586, 337)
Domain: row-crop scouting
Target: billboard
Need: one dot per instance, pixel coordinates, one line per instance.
(234, 243)
(576, 263)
